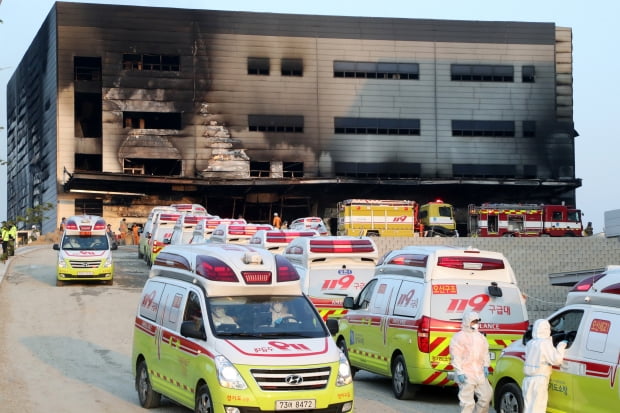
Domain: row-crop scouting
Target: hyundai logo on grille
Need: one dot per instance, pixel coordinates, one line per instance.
(293, 379)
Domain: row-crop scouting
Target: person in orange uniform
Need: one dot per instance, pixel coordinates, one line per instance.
(135, 233)
(277, 221)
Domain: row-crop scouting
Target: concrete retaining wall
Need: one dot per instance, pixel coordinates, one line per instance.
(533, 259)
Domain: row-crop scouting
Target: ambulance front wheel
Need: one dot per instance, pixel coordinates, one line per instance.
(509, 399)
(149, 398)
(203, 400)
(403, 389)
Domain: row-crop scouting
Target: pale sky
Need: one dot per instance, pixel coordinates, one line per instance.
(596, 60)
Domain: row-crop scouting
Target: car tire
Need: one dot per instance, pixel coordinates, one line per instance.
(403, 389)
(342, 345)
(148, 397)
(204, 404)
(509, 399)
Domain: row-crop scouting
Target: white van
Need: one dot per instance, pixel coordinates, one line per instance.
(205, 228)
(84, 251)
(184, 229)
(163, 224)
(332, 267)
(315, 223)
(145, 235)
(587, 379)
(276, 240)
(400, 325)
(229, 233)
(226, 328)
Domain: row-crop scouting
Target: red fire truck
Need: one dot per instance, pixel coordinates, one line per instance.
(523, 220)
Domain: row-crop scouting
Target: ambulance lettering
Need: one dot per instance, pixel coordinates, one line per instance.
(459, 305)
(558, 387)
(341, 283)
(289, 346)
(148, 302)
(407, 300)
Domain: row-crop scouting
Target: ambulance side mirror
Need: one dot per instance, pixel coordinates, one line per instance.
(56, 247)
(348, 302)
(332, 326)
(189, 329)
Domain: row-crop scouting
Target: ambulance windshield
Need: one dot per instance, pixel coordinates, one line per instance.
(265, 316)
(82, 243)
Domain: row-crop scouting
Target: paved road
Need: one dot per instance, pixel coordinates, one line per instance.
(67, 349)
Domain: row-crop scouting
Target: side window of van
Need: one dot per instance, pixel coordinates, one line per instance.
(564, 326)
(363, 300)
(171, 308)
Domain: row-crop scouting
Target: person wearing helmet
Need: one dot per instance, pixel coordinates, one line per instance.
(469, 353)
(540, 356)
(277, 221)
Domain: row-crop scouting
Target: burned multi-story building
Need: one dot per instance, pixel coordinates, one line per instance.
(115, 109)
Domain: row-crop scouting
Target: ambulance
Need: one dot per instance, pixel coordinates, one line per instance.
(204, 228)
(276, 240)
(305, 223)
(400, 325)
(84, 251)
(184, 229)
(163, 225)
(331, 268)
(587, 379)
(229, 233)
(143, 246)
(206, 337)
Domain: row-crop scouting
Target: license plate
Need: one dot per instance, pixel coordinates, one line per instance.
(295, 404)
(85, 273)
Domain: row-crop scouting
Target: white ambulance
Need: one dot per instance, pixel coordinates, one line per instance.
(145, 235)
(184, 229)
(226, 328)
(276, 240)
(229, 233)
(400, 325)
(205, 228)
(84, 251)
(587, 380)
(332, 267)
(315, 223)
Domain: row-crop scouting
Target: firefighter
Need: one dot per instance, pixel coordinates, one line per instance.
(277, 221)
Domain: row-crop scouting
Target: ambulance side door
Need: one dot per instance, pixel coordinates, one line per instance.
(596, 387)
(373, 329)
(171, 359)
(566, 325)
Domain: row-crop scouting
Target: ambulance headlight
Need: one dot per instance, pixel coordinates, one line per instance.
(61, 263)
(344, 371)
(107, 263)
(228, 375)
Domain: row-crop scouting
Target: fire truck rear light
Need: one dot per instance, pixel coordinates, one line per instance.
(469, 263)
(285, 270)
(586, 283)
(214, 269)
(612, 289)
(412, 260)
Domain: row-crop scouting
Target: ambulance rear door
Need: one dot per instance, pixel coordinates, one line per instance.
(501, 308)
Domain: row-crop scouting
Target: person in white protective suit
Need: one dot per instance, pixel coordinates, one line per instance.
(469, 353)
(540, 356)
